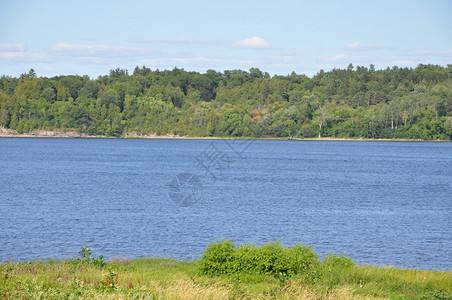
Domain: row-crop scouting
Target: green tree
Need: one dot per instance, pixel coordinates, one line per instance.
(174, 95)
(49, 94)
(232, 123)
(447, 124)
(90, 89)
(4, 117)
(110, 97)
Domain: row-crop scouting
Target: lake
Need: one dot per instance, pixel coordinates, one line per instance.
(381, 203)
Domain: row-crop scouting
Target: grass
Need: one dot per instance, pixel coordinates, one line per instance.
(160, 278)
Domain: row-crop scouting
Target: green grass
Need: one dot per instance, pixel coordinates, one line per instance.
(336, 277)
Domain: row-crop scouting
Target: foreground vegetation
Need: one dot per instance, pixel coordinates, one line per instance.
(223, 272)
(361, 102)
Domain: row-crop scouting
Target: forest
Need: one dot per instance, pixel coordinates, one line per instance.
(356, 102)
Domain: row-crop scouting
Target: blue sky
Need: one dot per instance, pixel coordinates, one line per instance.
(92, 37)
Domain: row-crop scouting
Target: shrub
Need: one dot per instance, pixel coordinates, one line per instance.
(217, 258)
(338, 260)
(245, 259)
(85, 256)
(336, 268)
(435, 295)
(270, 259)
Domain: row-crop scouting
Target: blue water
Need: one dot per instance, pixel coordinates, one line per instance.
(381, 203)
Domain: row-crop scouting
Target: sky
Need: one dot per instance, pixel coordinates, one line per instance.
(56, 37)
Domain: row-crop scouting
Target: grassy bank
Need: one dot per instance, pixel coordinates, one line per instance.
(220, 274)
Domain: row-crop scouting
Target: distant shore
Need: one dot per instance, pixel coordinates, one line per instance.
(74, 134)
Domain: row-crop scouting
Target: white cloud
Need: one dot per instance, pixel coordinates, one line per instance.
(363, 47)
(47, 69)
(180, 61)
(194, 60)
(17, 47)
(446, 53)
(12, 51)
(37, 57)
(403, 62)
(93, 50)
(284, 66)
(279, 59)
(254, 42)
(92, 60)
(419, 52)
(173, 41)
(88, 39)
(8, 55)
(396, 57)
(337, 57)
(17, 53)
(246, 62)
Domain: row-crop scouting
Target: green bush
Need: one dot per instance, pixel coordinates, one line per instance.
(435, 295)
(85, 256)
(245, 259)
(270, 259)
(338, 260)
(336, 269)
(217, 258)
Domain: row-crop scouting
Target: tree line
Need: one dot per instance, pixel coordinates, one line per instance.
(356, 102)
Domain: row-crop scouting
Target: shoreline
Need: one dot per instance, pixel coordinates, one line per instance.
(195, 260)
(166, 278)
(9, 133)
